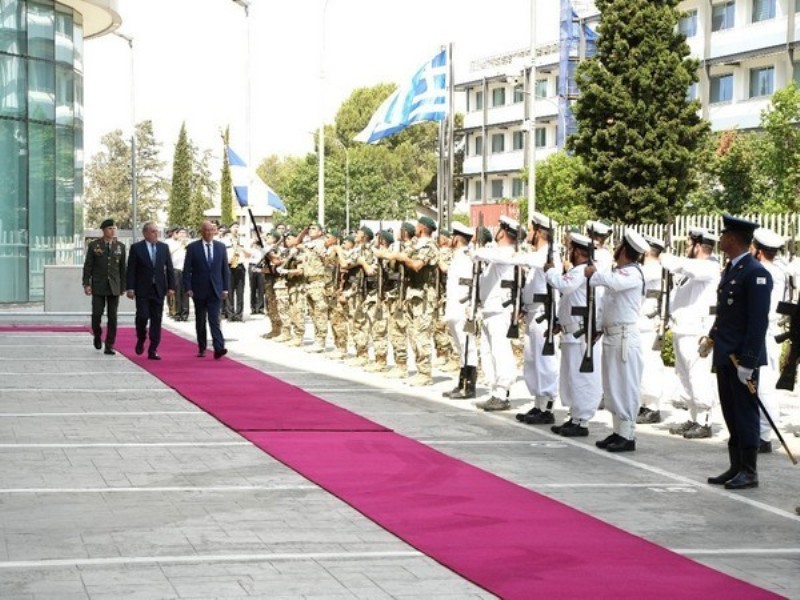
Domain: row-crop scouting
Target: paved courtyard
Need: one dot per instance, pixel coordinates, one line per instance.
(113, 486)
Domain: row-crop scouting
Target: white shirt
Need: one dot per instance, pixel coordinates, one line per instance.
(572, 286)
(498, 268)
(694, 292)
(623, 299)
(455, 292)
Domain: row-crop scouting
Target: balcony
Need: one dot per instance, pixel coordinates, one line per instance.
(745, 114)
(752, 36)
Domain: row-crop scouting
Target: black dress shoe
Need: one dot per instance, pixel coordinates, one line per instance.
(201, 353)
(742, 481)
(544, 417)
(139, 346)
(109, 350)
(521, 416)
(765, 447)
(98, 343)
(153, 356)
(220, 353)
(573, 430)
(622, 445)
(603, 444)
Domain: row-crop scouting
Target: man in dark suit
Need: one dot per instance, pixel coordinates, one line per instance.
(206, 279)
(740, 328)
(103, 278)
(150, 278)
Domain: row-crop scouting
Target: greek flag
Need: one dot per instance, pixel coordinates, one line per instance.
(423, 98)
(244, 179)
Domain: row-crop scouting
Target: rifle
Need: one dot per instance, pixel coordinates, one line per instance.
(379, 292)
(792, 249)
(549, 300)
(589, 328)
(516, 285)
(471, 325)
(789, 370)
(401, 291)
(664, 296)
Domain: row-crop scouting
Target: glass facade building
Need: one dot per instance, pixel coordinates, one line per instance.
(41, 140)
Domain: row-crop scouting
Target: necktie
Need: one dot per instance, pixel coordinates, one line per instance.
(152, 253)
(208, 253)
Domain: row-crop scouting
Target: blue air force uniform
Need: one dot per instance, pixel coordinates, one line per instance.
(743, 301)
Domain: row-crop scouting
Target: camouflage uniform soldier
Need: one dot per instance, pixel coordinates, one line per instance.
(316, 282)
(398, 322)
(336, 313)
(271, 252)
(420, 260)
(295, 287)
(340, 319)
(356, 295)
(380, 306)
(441, 334)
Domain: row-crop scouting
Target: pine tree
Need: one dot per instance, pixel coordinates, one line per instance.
(226, 184)
(180, 197)
(637, 131)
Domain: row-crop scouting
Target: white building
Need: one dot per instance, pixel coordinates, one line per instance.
(746, 50)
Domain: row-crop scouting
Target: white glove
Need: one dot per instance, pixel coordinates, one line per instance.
(744, 374)
(282, 271)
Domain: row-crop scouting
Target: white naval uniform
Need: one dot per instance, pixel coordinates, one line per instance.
(580, 392)
(769, 374)
(652, 388)
(622, 361)
(694, 293)
(456, 306)
(497, 357)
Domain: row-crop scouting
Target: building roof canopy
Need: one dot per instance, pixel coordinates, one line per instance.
(99, 16)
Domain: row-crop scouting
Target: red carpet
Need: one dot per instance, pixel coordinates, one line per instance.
(239, 396)
(509, 540)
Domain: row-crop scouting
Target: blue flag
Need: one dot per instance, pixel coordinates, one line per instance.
(244, 180)
(423, 98)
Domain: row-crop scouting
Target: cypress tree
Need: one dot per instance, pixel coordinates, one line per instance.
(637, 130)
(180, 195)
(226, 183)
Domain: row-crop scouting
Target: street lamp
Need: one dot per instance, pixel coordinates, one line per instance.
(346, 185)
(321, 144)
(134, 217)
(245, 4)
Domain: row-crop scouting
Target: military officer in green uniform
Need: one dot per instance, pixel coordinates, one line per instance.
(104, 281)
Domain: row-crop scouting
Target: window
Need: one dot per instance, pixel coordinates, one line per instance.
(541, 88)
(691, 92)
(688, 24)
(763, 10)
(721, 88)
(541, 137)
(478, 191)
(762, 82)
(519, 93)
(796, 71)
(479, 145)
(499, 96)
(516, 188)
(478, 100)
(498, 143)
(723, 16)
(497, 189)
(518, 140)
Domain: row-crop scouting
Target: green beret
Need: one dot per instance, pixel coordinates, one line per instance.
(315, 224)
(350, 238)
(428, 222)
(408, 228)
(290, 233)
(387, 236)
(107, 223)
(367, 231)
(445, 233)
(334, 232)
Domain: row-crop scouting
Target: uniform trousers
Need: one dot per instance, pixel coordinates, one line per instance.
(256, 291)
(458, 338)
(652, 388)
(398, 332)
(739, 408)
(622, 366)
(297, 307)
(378, 316)
(271, 302)
(359, 324)
(768, 376)
(99, 304)
(337, 314)
(419, 310)
(317, 301)
(497, 357)
(695, 377)
(539, 371)
(580, 392)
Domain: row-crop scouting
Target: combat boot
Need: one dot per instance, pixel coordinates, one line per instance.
(399, 371)
(698, 432)
(747, 477)
(421, 379)
(682, 428)
(494, 404)
(461, 377)
(467, 390)
(356, 361)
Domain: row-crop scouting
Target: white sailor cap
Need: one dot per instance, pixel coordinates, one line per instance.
(710, 237)
(578, 239)
(655, 242)
(768, 239)
(598, 227)
(461, 229)
(636, 241)
(509, 223)
(542, 220)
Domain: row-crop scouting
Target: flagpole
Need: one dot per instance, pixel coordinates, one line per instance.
(321, 143)
(532, 118)
(450, 135)
(440, 184)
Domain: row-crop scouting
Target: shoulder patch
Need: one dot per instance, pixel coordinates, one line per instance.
(761, 281)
